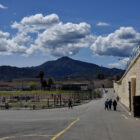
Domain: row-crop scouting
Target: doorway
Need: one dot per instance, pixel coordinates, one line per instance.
(129, 88)
(133, 92)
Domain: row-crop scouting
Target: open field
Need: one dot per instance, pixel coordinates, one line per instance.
(43, 104)
(3, 93)
(44, 99)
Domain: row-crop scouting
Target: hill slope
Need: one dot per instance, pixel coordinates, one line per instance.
(59, 68)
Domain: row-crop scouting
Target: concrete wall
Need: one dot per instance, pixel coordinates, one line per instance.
(132, 75)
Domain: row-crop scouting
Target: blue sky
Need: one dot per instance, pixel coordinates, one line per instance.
(96, 31)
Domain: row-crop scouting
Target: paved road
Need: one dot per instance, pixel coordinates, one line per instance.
(86, 122)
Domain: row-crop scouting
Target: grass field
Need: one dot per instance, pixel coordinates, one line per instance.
(43, 103)
(3, 93)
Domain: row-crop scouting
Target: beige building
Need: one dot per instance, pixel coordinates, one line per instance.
(23, 83)
(128, 86)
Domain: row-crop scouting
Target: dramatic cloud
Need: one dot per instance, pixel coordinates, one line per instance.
(36, 22)
(3, 42)
(122, 63)
(9, 46)
(4, 34)
(2, 7)
(120, 43)
(102, 24)
(39, 20)
(63, 39)
(47, 34)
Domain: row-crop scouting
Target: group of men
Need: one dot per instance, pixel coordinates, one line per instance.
(108, 104)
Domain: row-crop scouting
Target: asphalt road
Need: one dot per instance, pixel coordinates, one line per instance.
(86, 122)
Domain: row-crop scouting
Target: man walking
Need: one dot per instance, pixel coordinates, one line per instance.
(110, 104)
(106, 104)
(114, 105)
(70, 103)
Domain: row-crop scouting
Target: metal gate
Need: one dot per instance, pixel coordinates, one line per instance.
(136, 106)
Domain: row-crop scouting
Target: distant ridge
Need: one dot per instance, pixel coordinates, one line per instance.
(60, 68)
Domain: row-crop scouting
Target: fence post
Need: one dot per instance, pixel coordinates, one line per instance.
(54, 99)
(48, 102)
(60, 99)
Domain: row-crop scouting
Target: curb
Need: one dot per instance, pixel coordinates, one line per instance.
(125, 108)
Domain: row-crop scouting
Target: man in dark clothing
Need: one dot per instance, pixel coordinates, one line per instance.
(70, 103)
(110, 104)
(115, 105)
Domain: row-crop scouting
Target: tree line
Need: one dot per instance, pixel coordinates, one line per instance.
(43, 82)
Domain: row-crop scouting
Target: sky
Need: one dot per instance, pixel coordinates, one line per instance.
(96, 31)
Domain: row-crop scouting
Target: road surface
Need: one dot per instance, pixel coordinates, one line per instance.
(86, 122)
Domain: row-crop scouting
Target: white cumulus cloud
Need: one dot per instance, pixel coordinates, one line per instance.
(36, 22)
(49, 35)
(46, 34)
(63, 39)
(9, 46)
(40, 20)
(120, 43)
(4, 34)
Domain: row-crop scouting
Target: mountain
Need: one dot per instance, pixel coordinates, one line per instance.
(60, 68)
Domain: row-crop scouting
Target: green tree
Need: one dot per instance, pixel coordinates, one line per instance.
(50, 82)
(32, 85)
(41, 76)
(44, 84)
